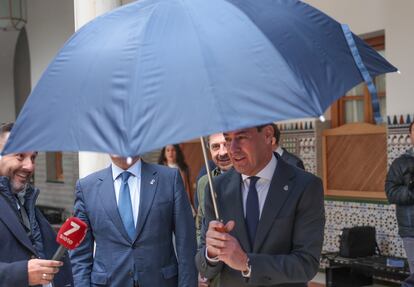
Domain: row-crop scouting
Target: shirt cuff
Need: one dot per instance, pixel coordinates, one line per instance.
(211, 260)
(248, 273)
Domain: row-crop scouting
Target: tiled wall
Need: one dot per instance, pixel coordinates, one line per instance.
(339, 213)
(304, 139)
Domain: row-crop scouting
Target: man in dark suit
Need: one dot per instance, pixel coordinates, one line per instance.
(27, 239)
(133, 210)
(273, 214)
(286, 156)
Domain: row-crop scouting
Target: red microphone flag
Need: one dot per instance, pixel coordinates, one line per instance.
(72, 233)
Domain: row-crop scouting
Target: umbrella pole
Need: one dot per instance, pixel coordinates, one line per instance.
(210, 179)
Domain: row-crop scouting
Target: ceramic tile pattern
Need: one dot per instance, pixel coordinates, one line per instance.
(340, 214)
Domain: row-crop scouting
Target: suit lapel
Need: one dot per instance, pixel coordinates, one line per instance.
(279, 191)
(108, 199)
(149, 183)
(10, 219)
(232, 199)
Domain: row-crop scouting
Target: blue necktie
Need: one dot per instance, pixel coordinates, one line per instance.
(125, 206)
(252, 209)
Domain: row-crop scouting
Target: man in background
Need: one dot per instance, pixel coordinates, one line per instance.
(399, 187)
(286, 156)
(222, 162)
(221, 159)
(201, 173)
(27, 239)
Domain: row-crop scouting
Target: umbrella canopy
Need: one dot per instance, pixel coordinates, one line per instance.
(156, 72)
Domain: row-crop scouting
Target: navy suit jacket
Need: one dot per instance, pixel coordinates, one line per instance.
(289, 236)
(149, 259)
(16, 248)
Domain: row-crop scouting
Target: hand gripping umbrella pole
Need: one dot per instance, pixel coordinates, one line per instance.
(210, 179)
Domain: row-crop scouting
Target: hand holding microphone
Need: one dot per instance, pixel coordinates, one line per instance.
(70, 235)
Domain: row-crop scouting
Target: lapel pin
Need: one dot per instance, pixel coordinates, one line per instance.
(152, 181)
(285, 188)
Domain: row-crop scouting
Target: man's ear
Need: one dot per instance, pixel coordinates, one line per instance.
(268, 132)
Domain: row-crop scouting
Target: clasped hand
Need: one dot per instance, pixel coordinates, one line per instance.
(225, 247)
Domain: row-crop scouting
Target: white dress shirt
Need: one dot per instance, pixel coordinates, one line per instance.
(262, 185)
(134, 182)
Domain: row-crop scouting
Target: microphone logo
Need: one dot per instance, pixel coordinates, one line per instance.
(72, 233)
(66, 239)
(75, 227)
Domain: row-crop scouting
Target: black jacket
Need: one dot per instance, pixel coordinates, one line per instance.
(399, 192)
(292, 159)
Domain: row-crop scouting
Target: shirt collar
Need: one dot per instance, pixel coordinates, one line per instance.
(134, 169)
(279, 150)
(267, 172)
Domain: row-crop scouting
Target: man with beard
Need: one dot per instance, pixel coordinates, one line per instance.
(27, 239)
(273, 215)
(218, 151)
(221, 159)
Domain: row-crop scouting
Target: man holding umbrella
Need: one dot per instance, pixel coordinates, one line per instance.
(273, 214)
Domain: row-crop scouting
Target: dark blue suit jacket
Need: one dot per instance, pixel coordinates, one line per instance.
(149, 259)
(16, 248)
(289, 236)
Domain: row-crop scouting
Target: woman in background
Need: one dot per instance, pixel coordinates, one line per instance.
(172, 156)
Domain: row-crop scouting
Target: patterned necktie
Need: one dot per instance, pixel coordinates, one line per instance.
(125, 206)
(252, 209)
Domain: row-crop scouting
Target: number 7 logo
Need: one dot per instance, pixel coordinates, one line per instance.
(75, 227)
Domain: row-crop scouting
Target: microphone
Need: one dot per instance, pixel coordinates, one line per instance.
(70, 235)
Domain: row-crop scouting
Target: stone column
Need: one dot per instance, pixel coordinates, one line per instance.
(86, 10)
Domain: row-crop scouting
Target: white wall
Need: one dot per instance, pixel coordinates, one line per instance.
(50, 24)
(395, 18)
(7, 44)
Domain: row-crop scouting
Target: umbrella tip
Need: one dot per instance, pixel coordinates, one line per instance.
(322, 118)
(129, 160)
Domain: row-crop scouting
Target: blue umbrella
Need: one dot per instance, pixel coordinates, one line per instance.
(157, 72)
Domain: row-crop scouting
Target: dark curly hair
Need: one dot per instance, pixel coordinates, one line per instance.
(6, 128)
(179, 157)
